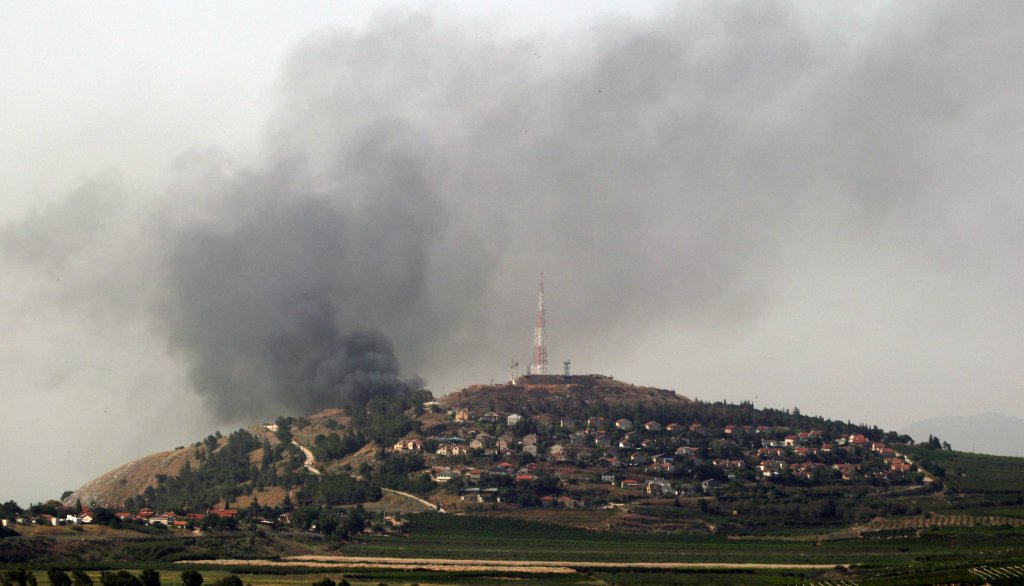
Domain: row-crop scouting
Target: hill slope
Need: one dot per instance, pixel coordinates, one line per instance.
(463, 453)
(551, 394)
(132, 478)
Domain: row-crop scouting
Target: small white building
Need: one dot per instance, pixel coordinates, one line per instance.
(445, 476)
(514, 418)
(83, 519)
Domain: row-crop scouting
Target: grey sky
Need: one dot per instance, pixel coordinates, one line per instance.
(783, 202)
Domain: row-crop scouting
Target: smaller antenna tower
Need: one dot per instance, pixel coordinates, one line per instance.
(515, 371)
(567, 371)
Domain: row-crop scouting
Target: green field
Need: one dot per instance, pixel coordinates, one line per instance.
(446, 536)
(976, 473)
(931, 545)
(891, 558)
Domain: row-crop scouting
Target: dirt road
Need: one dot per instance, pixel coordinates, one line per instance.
(310, 460)
(430, 506)
(497, 566)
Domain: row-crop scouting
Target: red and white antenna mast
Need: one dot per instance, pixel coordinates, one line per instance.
(540, 348)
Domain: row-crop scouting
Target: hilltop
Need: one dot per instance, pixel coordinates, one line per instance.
(560, 395)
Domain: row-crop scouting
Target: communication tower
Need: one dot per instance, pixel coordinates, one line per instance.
(540, 348)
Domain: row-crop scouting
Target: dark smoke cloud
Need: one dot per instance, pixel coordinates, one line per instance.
(687, 174)
(270, 312)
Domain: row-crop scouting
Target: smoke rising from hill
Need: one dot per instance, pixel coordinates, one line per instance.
(699, 173)
(259, 311)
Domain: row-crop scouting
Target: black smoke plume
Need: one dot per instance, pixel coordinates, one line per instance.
(273, 309)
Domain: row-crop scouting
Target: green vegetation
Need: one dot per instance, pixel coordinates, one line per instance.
(339, 489)
(224, 474)
(335, 447)
(384, 420)
(979, 473)
(398, 472)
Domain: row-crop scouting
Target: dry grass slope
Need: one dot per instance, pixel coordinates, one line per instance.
(133, 478)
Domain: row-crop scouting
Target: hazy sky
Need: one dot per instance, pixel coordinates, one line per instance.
(215, 213)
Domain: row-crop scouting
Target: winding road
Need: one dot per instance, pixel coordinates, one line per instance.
(309, 462)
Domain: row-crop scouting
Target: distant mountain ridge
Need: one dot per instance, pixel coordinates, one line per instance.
(986, 433)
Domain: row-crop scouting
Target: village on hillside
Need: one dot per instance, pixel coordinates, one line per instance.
(548, 461)
(517, 446)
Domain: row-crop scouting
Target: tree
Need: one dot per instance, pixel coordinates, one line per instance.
(10, 509)
(57, 577)
(80, 578)
(191, 578)
(325, 582)
(150, 577)
(18, 576)
(103, 516)
(119, 578)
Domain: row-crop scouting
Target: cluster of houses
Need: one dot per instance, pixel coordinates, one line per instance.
(85, 517)
(172, 519)
(144, 516)
(645, 458)
(46, 519)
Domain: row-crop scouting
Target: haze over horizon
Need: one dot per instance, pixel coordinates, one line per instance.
(217, 214)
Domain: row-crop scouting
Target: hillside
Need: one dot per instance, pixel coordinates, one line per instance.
(114, 488)
(587, 451)
(553, 395)
(133, 478)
